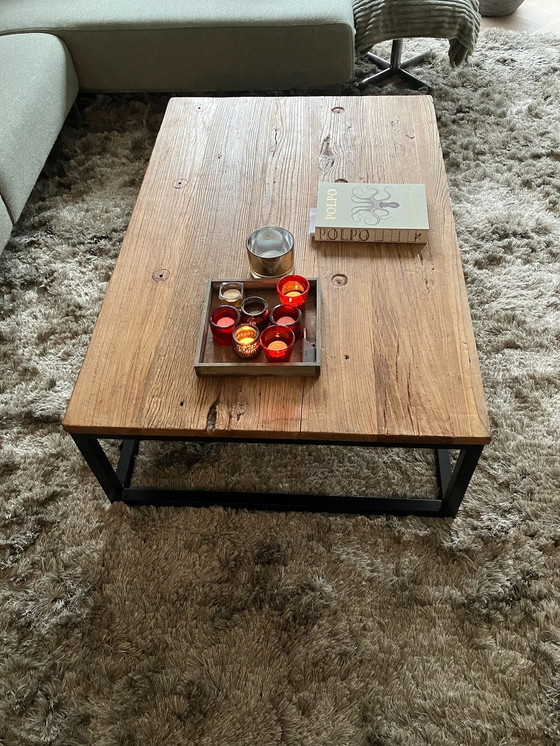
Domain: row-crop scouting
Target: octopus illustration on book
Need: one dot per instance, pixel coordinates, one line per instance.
(368, 208)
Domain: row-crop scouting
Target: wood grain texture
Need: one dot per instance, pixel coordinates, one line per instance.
(399, 361)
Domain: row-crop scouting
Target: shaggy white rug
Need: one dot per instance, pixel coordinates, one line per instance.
(213, 627)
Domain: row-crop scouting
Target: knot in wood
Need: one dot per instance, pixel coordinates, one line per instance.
(339, 280)
(160, 275)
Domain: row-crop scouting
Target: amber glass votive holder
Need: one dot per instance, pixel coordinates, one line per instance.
(289, 316)
(277, 342)
(245, 341)
(223, 321)
(254, 310)
(293, 290)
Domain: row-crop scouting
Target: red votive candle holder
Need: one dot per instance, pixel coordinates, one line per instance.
(293, 290)
(254, 310)
(223, 321)
(289, 316)
(277, 342)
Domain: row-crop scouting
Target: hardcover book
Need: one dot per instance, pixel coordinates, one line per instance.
(377, 213)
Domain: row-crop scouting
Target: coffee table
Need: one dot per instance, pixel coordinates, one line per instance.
(399, 361)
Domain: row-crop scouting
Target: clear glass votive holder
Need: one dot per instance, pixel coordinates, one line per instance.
(232, 293)
(293, 290)
(223, 321)
(289, 316)
(277, 342)
(271, 252)
(254, 310)
(245, 341)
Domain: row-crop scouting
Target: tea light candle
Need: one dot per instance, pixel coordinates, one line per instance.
(225, 322)
(289, 316)
(254, 310)
(222, 323)
(277, 343)
(293, 290)
(269, 242)
(231, 292)
(245, 341)
(270, 251)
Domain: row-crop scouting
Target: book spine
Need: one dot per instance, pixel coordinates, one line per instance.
(372, 235)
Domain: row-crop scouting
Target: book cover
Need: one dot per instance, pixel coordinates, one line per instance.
(378, 213)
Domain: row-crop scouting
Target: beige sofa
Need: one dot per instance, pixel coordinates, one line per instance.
(48, 50)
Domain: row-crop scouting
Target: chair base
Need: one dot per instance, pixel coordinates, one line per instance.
(396, 67)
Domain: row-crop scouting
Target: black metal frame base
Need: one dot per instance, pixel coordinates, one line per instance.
(396, 67)
(116, 483)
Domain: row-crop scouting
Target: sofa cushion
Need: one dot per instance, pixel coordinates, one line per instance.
(5, 225)
(37, 87)
(181, 45)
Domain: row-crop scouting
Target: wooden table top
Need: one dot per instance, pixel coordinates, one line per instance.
(399, 361)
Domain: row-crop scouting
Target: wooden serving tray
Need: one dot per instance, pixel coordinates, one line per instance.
(220, 360)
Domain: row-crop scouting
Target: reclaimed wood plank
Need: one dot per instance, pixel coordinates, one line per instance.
(399, 361)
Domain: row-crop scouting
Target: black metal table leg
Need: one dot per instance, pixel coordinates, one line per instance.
(125, 467)
(457, 482)
(116, 484)
(443, 469)
(100, 465)
(283, 502)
